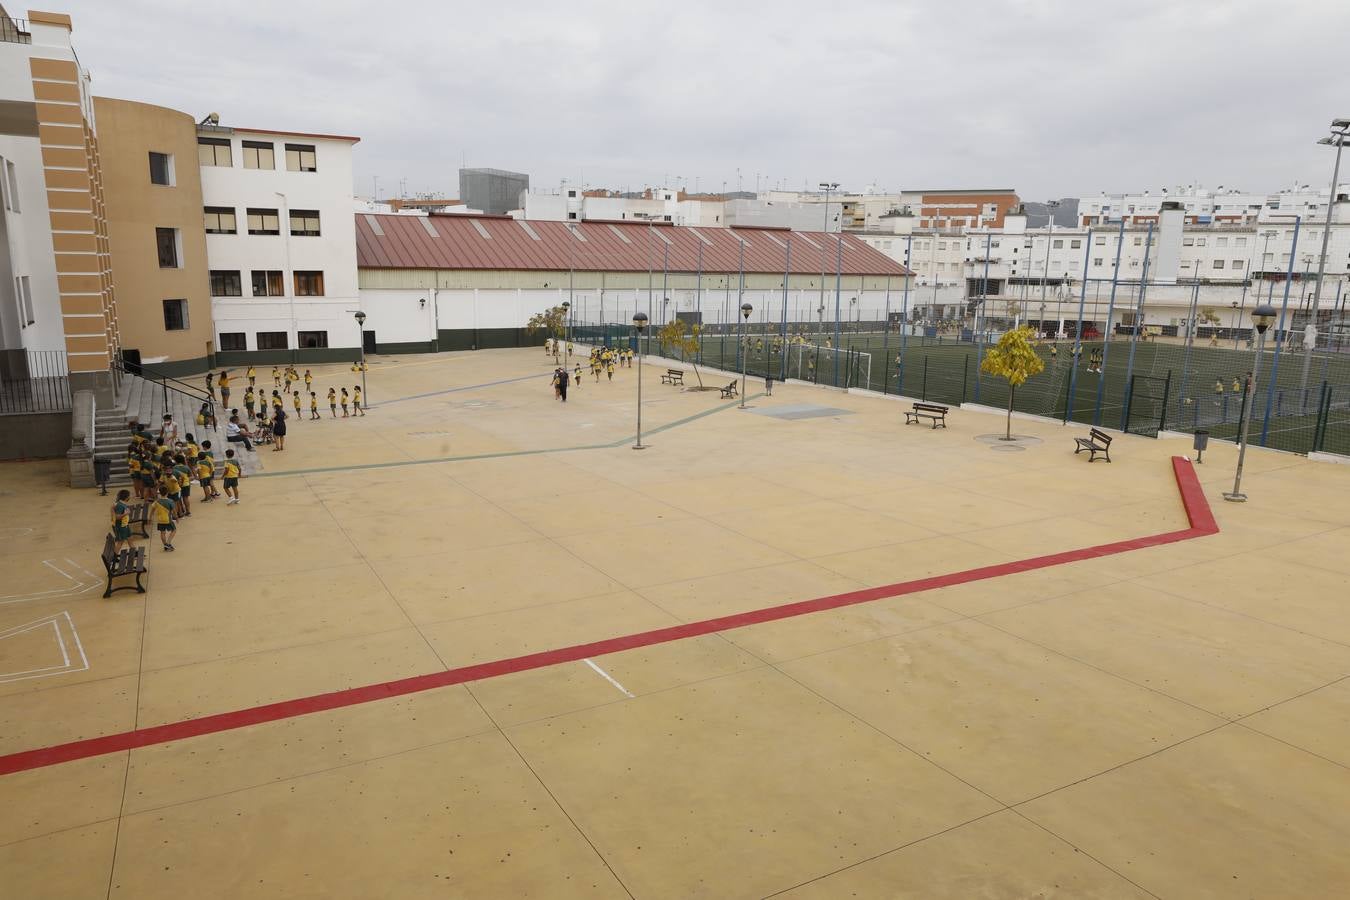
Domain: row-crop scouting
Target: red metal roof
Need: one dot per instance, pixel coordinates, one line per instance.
(492, 242)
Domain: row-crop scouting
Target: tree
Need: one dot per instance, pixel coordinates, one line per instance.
(674, 335)
(1209, 316)
(552, 321)
(1015, 359)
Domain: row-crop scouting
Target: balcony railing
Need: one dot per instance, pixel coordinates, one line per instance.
(14, 31)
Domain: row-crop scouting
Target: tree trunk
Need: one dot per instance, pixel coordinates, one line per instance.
(1008, 436)
(696, 375)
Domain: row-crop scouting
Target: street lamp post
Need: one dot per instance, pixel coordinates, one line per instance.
(639, 325)
(1340, 131)
(1045, 274)
(361, 335)
(825, 186)
(746, 309)
(1262, 317)
(567, 331)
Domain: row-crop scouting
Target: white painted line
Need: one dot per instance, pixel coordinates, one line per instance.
(47, 671)
(605, 675)
(79, 644)
(48, 563)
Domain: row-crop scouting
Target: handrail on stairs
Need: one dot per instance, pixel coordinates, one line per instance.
(187, 390)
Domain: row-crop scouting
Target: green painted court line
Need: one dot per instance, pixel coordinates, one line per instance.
(501, 455)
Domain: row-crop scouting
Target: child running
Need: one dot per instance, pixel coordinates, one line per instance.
(231, 478)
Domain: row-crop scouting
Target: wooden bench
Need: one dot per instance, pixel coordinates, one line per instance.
(729, 391)
(1096, 442)
(127, 562)
(673, 376)
(138, 514)
(932, 411)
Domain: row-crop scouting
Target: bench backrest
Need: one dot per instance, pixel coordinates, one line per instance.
(930, 407)
(1100, 436)
(108, 555)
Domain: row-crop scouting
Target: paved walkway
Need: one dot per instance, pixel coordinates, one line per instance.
(1167, 720)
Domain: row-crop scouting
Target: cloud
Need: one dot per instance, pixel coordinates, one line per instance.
(1051, 98)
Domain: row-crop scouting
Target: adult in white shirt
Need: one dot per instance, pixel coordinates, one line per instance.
(236, 433)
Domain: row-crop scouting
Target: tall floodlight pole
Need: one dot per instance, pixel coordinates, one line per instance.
(1138, 329)
(1262, 316)
(1110, 314)
(567, 331)
(1340, 130)
(838, 293)
(1045, 274)
(787, 274)
(746, 310)
(1280, 334)
(825, 186)
(639, 325)
(740, 289)
(1078, 330)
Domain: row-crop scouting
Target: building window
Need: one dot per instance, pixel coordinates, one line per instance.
(213, 151)
(1075, 245)
(268, 283)
(175, 315)
(304, 223)
(1240, 242)
(226, 283)
(1199, 242)
(1221, 242)
(312, 340)
(571, 215)
(1218, 264)
(1138, 242)
(220, 220)
(300, 158)
(23, 295)
(259, 155)
(10, 186)
(1096, 260)
(309, 284)
(233, 340)
(1058, 245)
(166, 244)
(1238, 264)
(271, 340)
(263, 221)
(161, 168)
(1101, 242)
(1188, 242)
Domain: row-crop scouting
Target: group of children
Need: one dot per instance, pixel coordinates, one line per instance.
(1096, 356)
(606, 360)
(256, 403)
(162, 470)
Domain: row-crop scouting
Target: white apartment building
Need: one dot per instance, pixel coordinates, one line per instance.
(575, 204)
(280, 240)
(1206, 206)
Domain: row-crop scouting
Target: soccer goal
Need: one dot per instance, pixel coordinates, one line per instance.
(830, 365)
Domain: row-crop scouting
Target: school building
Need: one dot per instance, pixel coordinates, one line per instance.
(466, 282)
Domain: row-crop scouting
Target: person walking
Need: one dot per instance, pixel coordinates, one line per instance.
(224, 382)
(563, 379)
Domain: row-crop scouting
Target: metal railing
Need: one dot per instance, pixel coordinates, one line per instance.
(14, 31)
(166, 384)
(34, 381)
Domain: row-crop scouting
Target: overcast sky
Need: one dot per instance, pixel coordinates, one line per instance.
(1052, 99)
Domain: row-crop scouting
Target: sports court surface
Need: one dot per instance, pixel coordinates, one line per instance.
(474, 646)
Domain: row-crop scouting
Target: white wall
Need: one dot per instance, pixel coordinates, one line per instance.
(27, 233)
(329, 190)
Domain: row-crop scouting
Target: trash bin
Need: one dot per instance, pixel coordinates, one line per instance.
(1201, 443)
(102, 471)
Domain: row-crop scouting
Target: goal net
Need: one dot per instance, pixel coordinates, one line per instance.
(830, 365)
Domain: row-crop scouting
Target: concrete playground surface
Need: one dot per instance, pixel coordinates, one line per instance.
(473, 645)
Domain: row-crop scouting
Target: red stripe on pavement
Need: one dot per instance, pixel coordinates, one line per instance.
(1192, 497)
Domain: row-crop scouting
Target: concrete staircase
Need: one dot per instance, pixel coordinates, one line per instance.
(144, 401)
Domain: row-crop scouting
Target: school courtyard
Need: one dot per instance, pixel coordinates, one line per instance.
(474, 645)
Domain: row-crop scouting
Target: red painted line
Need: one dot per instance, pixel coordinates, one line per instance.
(1192, 497)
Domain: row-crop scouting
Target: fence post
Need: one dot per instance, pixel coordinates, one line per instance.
(965, 378)
(1323, 413)
(923, 392)
(1167, 392)
(1129, 399)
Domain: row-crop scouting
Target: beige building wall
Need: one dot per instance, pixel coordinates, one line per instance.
(128, 133)
(75, 201)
